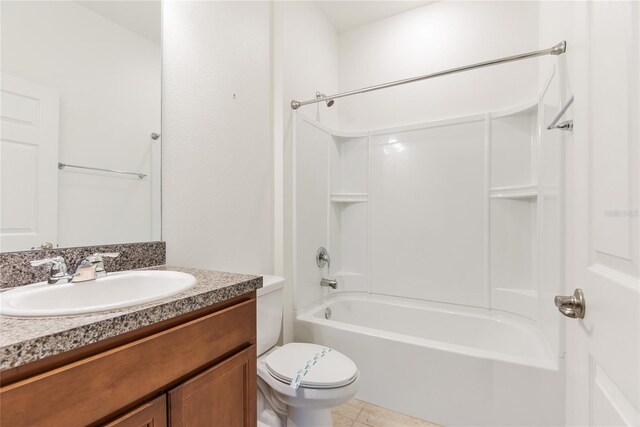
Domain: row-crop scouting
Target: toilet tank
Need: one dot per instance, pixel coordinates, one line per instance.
(269, 312)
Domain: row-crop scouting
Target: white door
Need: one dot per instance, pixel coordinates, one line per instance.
(28, 164)
(603, 188)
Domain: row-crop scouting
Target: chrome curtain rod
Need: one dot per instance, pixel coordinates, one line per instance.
(558, 49)
(66, 165)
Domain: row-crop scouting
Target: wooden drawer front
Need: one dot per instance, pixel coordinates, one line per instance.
(150, 414)
(222, 396)
(91, 389)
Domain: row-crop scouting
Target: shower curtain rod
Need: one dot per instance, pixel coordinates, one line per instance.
(558, 49)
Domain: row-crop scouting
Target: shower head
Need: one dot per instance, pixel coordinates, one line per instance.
(321, 95)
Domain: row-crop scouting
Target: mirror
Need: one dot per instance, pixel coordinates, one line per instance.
(80, 123)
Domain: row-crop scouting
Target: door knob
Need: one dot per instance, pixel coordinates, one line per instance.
(572, 306)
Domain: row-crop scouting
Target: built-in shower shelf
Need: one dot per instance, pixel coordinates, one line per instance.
(349, 197)
(340, 137)
(515, 192)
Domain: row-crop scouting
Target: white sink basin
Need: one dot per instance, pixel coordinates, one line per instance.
(117, 290)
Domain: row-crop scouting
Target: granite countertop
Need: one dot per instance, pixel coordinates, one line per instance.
(25, 340)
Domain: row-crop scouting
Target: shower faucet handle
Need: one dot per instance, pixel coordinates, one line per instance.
(323, 258)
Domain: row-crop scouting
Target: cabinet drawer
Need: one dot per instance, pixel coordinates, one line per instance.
(91, 389)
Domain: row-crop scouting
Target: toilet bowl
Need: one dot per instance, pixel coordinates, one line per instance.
(322, 378)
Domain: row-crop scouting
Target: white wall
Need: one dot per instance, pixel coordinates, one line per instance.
(217, 151)
(433, 38)
(108, 79)
(309, 59)
(224, 188)
(306, 60)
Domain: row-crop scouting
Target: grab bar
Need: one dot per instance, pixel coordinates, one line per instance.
(67, 165)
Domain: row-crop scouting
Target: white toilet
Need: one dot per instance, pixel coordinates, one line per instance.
(331, 378)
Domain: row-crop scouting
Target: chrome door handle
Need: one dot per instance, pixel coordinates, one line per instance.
(572, 306)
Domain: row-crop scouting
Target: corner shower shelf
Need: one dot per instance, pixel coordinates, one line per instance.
(349, 197)
(340, 137)
(515, 192)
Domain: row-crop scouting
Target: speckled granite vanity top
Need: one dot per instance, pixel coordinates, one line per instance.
(25, 340)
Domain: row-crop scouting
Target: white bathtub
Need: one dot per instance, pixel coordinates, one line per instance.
(452, 365)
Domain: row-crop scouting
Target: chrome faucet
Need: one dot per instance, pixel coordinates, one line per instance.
(330, 283)
(58, 273)
(92, 267)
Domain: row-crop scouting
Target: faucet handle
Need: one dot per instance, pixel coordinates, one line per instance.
(56, 261)
(58, 272)
(107, 254)
(97, 259)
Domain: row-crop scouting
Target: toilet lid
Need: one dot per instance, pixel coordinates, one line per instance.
(332, 370)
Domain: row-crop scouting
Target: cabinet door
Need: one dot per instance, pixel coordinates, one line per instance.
(222, 396)
(150, 414)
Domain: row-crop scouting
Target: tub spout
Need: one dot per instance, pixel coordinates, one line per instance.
(333, 284)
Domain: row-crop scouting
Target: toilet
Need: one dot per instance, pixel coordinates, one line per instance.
(331, 378)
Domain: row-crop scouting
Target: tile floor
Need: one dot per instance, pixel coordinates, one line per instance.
(357, 413)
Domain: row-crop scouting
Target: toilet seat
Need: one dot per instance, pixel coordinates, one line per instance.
(332, 370)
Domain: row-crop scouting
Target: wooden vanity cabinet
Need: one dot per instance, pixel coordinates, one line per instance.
(197, 370)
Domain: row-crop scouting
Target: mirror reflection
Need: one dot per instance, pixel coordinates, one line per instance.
(80, 123)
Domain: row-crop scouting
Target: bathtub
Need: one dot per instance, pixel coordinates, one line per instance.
(453, 365)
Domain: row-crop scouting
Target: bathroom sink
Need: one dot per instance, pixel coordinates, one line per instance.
(116, 291)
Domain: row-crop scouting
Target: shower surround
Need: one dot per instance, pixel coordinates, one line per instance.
(444, 238)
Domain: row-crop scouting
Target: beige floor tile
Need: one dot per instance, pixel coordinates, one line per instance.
(359, 424)
(376, 416)
(340, 421)
(359, 403)
(351, 409)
